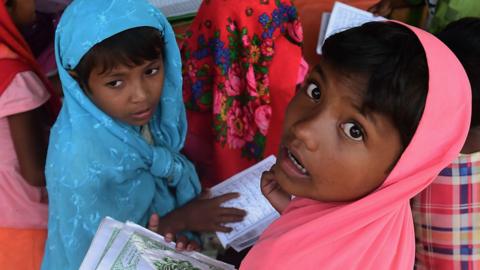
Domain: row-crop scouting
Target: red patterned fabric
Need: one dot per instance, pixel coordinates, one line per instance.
(240, 66)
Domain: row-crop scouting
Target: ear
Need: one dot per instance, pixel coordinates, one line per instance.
(77, 78)
(73, 74)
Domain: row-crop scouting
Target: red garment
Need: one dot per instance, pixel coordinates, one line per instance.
(15, 57)
(240, 67)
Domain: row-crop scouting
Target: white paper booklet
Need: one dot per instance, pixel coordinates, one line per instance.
(122, 246)
(260, 212)
(175, 8)
(342, 18)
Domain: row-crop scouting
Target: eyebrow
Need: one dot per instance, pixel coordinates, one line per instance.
(154, 62)
(116, 74)
(368, 116)
(113, 72)
(318, 69)
(124, 72)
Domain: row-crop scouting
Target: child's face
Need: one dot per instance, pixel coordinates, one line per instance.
(330, 150)
(130, 95)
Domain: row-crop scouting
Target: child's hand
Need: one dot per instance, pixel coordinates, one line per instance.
(382, 8)
(273, 191)
(206, 214)
(182, 242)
(203, 214)
(385, 7)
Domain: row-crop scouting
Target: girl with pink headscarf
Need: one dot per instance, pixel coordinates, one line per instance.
(364, 135)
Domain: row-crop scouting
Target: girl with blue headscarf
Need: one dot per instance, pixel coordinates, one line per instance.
(115, 147)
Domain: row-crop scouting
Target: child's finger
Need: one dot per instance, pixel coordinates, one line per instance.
(267, 187)
(193, 245)
(231, 218)
(233, 211)
(222, 228)
(384, 11)
(181, 242)
(154, 222)
(267, 177)
(169, 237)
(205, 194)
(226, 197)
(373, 9)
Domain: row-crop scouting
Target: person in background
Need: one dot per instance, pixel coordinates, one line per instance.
(28, 107)
(241, 62)
(40, 36)
(440, 12)
(447, 212)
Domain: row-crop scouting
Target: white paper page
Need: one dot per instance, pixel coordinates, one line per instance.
(128, 246)
(161, 259)
(171, 8)
(249, 238)
(116, 249)
(323, 30)
(157, 237)
(136, 248)
(104, 237)
(344, 17)
(251, 199)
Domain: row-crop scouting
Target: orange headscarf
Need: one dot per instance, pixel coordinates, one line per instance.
(376, 231)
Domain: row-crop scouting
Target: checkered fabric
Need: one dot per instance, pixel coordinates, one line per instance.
(447, 218)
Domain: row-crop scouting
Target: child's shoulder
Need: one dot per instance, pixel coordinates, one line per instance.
(24, 92)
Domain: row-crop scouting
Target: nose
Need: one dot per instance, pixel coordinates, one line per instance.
(139, 93)
(307, 130)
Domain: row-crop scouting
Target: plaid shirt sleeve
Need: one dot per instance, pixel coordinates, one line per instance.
(447, 218)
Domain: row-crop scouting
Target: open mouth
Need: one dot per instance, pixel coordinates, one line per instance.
(296, 162)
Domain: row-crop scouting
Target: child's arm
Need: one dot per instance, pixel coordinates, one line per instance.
(385, 7)
(203, 214)
(30, 139)
(273, 192)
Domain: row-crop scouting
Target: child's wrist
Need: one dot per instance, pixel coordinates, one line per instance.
(172, 222)
(181, 223)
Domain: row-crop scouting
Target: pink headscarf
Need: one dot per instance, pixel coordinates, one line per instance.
(376, 232)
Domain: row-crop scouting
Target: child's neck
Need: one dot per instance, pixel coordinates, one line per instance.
(472, 144)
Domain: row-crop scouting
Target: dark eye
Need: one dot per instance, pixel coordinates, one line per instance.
(151, 71)
(114, 84)
(353, 131)
(313, 92)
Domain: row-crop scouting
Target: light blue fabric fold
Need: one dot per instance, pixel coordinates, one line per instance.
(98, 166)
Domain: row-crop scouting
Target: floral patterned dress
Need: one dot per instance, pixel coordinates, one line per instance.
(241, 63)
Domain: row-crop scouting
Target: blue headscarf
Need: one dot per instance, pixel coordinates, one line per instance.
(98, 166)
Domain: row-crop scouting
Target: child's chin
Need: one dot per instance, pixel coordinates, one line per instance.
(138, 122)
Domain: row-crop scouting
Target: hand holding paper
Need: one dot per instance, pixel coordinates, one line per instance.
(260, 212)
(123, 246)
(273, 192)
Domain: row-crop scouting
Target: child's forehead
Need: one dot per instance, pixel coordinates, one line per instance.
(338, 79)
(123, 67)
